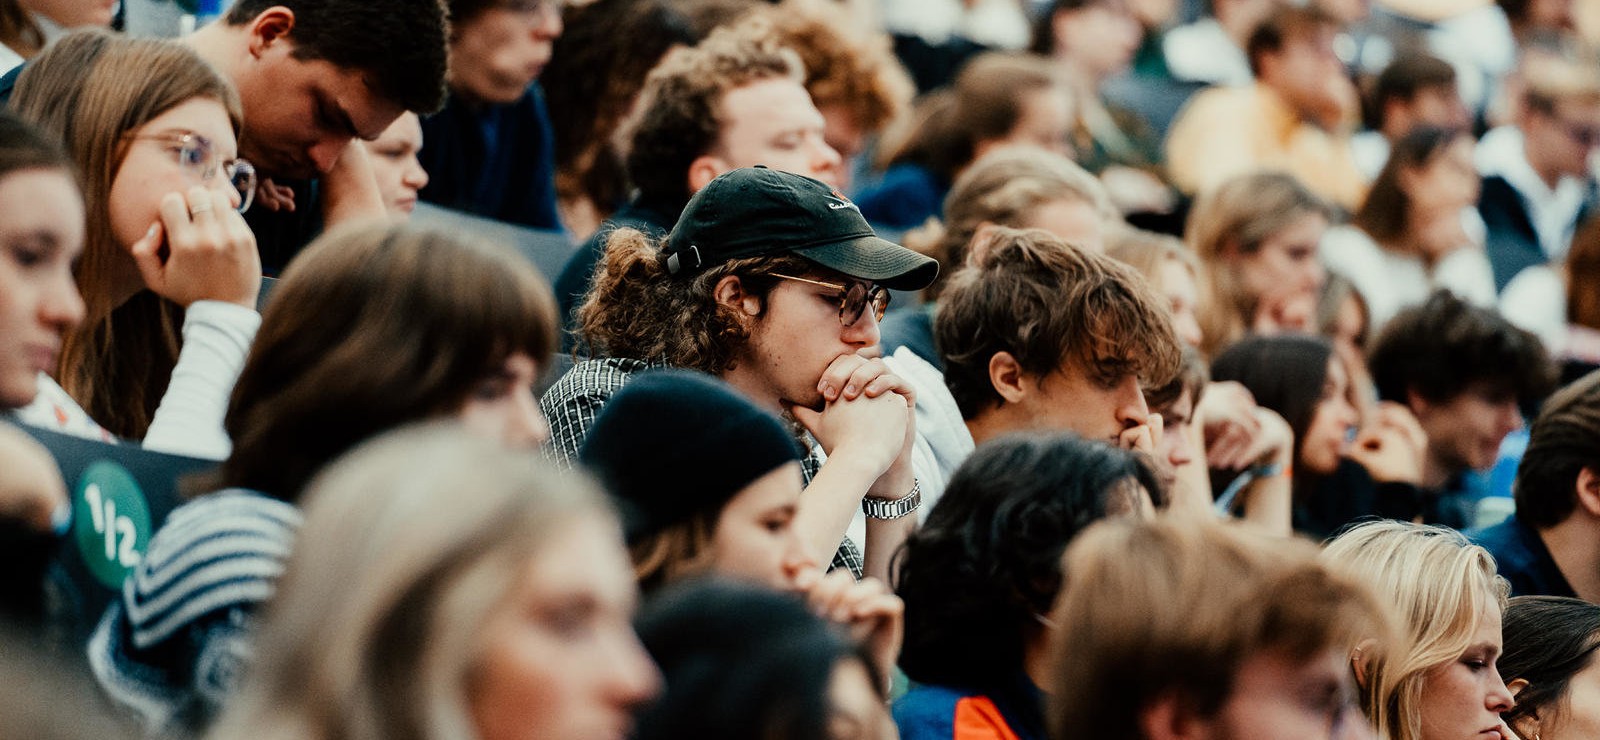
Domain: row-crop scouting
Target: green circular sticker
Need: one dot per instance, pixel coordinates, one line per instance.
(111, 521)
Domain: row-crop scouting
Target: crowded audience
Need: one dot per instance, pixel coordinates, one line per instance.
(801, 369)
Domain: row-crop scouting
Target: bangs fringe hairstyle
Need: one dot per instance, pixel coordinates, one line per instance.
(1047, 302)
(395, 657)
(1234, 219)
(92, 89)
(1438, 583)
(1004, 188)
(1209, 597)
(637, 309)
(374, 326)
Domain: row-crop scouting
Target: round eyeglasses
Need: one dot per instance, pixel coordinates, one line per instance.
(197, 155)
(853, 298)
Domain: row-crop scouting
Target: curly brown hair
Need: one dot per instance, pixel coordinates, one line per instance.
(679, 119)
(638, 310)
(1049, 303)
(844, 67)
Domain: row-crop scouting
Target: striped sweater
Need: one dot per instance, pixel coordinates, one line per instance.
(176, 645)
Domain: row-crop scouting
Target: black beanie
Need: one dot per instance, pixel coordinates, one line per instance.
(673, 444)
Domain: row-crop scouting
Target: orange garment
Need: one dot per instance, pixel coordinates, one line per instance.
(1227, 131)
(977, 718)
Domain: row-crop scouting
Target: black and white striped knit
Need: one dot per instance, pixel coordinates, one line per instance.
(572, 404)
(176, 645)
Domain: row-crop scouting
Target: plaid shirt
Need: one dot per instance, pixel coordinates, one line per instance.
(572, 404)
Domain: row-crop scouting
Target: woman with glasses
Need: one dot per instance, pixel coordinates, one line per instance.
(170, 273)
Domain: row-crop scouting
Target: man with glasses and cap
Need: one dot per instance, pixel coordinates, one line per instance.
(775, 283)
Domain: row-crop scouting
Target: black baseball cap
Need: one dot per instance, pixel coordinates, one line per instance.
(756, 211)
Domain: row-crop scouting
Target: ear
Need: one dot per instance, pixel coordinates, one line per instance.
(730, 292)
(1008, 378)
(1516, 686)
(704, 169)
(1588, 485)
(1170, 718)
(1361, 661)
(1419, 406)
(272, 26)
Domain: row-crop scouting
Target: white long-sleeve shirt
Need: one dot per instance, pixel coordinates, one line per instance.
(216, 339)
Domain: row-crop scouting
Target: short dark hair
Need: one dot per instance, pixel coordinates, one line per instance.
(1548, 639)
(24, 146)
(402, 45)
(740, 661)
(462, 11)
(1441, 348)
(1406, 76)
(987, 562)
(1283, 25)
(1564, 440)
(1048, 303)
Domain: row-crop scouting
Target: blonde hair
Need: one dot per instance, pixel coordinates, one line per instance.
(92, 89)
(1147, 251)
(1003, 188)
(410, 544)
(1236, 218)
(1438, 583)
(1207, 597)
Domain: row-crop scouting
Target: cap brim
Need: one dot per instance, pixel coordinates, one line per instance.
(878, 260)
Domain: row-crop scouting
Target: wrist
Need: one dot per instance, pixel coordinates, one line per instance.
(888, 509)
(895, 483)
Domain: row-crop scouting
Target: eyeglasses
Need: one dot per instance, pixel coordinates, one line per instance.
(198, 155)
(853, 298)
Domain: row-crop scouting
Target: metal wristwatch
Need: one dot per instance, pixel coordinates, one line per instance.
(883, 508)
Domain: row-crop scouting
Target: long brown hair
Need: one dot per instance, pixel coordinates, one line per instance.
(374, 326)
(92, 89)
(1385, 214)
(986, 102)
(1237, 218)
(1583, 276)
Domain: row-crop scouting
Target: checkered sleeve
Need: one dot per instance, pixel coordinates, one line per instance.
(572, 404)
(848, 555)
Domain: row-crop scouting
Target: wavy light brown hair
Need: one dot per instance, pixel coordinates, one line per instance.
(985, 102)
(1237, 218)
(1003, 188)
(396, 658)
(92, 89)
(374, 326)
(1049, 303)
(1209, 597)
(844, 66)
(679, 116)
(638, 310)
